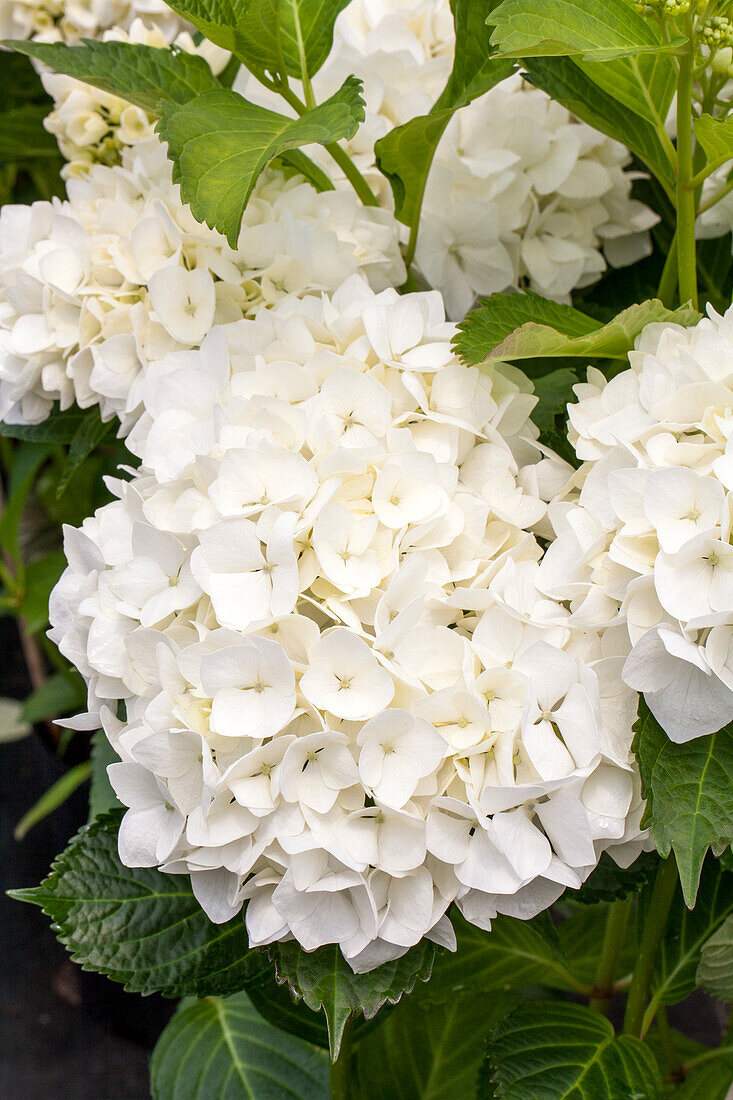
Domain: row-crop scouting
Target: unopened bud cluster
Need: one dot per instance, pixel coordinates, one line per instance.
(717, 32)
(671, 9)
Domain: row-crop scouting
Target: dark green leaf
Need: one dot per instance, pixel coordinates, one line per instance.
(287, 36)
(598, 30)
(27, 460)
(102, 797)
(143, 75)
(405, 154)
(580, 937)
(553, 392)
(216, 19)
(54, 797)
(554, 1050)
(709, 1081)
(40, 578)
(221, 1049)
(324, 980)
(501, 314)
(22, 135)
(609, 882)
(91, 432)
(58, 696)
(715, 972)
(220, 143)
(60, 427)
(688, 791)
(611, 341)
(139, 926)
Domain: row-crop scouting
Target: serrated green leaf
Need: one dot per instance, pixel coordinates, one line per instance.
(51, 799)
(325, 981)
(502, 314)
(102, 797)
(144, 75)
(406, 153)
(611, 341)
(715, 971)
(222, 1048)
(598, 30)
(287, 36)
(566, 82)
(60, 695)
(219, 144)
(139, 926)
(91, 432)
(565, 1051)
(22, 134)
(216, 19)
(685, 936)
(715, 135)
(688, 791)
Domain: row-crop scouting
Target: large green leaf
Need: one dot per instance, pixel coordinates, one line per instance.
(710, 1081)
(538, 340)
(561, 1051)
(220, 1048)
(566, 82)
(689, 793)
(502, 314)
(139, 926)
(59, 695)
(216, 19)
(686, 935)
(324, 980)
(609, 882)
(427, 1051)
(598, 30)
(287, 36)
(143, 75)
(715, 971)
(716, 137)
(406, 153)
(219, 144)
(22, 135)
(59, 427)
(580, 936)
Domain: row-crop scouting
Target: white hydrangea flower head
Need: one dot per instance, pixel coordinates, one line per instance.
(71, 20)
(643, 530)
(97, 287)
(347, 704)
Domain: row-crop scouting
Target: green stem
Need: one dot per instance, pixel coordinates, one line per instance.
(613, 942)
(668, 281)
(666, 1038)
(655, 922)
(340, 1077)
(686, 260)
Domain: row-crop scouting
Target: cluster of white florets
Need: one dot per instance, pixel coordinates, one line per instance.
(643, 535)
(72, 20)
(97, 287)
(347, 703)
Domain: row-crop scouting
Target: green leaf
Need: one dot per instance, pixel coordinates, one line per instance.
(611, 341)
(716, 137)
(513, 955)
(579, 938)
(27, 460)
(60, 427)
(406, 153)
(222, 1048)
(715, 972)
(324, 980)
(501, 314)
(54, 797)
(566, 82)
(40, 578)
(60, 695)
(609, 882)
(553, 391)
(91, 432)
(710, 1081)
(554, 1050)
(687, 932)
(426, 1051)
(144, 75)
(220, 143)
(287, 36)
(216, 19)
(22, 135)
(102, 797)
(688, 792)
(139, 926)
(597, 30)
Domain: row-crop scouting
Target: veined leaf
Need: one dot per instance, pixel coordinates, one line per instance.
(219, 144)
(287, 36)
(406, 153)
(688, 792)
(144, 75)
(558, 1051)
(502, 314)
(716, 137)
(216, 19)
(715, 971)
(139, 926)
(222, 1048)
(611, 341)
(710, 1081)
(598, 30)
(324, 980)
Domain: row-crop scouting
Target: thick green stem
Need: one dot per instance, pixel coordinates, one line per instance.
(666, 1038)
(686, 261)
(340, 1078)
(613, 942)
(668, 281)
(655, 922)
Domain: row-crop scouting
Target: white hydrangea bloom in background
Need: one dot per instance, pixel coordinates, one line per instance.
(97, 287)
(71, 20)
(347, 704)
(643, 531)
